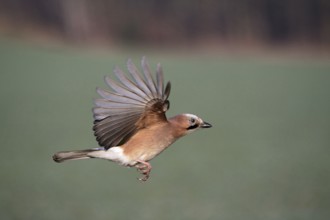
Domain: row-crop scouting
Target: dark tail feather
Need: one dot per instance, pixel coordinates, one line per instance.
(73, 155)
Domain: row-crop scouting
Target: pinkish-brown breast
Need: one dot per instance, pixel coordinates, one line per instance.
(149, 142)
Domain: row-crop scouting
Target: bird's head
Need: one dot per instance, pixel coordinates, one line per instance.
(187, 123)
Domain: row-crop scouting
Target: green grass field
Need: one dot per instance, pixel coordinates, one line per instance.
(266, 157)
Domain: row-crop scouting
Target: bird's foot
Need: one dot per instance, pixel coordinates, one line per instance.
(144, 168)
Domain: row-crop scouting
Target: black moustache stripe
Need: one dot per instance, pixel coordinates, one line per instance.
(192, 127)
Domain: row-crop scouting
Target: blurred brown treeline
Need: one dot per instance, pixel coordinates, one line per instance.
(172, 21)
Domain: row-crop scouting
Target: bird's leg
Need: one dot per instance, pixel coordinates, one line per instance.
(144, 168)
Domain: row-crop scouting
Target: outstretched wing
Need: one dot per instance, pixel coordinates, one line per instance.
(136, 102)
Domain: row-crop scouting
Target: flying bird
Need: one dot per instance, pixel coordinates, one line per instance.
(130, 124)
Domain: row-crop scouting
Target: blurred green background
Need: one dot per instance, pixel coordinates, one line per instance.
(267, 155)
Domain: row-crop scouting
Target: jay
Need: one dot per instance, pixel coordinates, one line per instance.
(130, 123)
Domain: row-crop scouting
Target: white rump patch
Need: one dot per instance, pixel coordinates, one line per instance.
(115, 154)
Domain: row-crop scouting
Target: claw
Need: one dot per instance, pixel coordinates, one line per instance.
(144, 168)
(144, 178)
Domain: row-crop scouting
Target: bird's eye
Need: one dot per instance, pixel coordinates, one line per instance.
(192, 120)
(193, 124)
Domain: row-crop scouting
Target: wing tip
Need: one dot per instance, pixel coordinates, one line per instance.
(167, 90)
(144, 61)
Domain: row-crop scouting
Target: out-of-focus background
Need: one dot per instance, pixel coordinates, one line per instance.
(258, 70)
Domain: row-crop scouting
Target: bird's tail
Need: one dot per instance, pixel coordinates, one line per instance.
(73, 155)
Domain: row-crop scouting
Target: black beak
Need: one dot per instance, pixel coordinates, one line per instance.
(206, 125)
